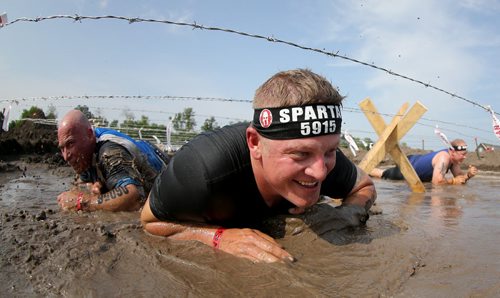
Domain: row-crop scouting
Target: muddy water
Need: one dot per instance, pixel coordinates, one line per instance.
(444, 243)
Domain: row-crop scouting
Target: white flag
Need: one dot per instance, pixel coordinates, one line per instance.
(5, 124)
(443, 137)
(140, 133)
(3, 19)
(496, 123)
(352, 143)
(169, 133)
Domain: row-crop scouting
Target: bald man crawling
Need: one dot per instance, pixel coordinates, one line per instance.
(115, 171)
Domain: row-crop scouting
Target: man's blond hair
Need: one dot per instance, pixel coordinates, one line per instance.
(458, 142)
(295, 88)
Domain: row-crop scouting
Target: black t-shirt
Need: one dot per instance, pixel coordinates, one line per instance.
(210, 180)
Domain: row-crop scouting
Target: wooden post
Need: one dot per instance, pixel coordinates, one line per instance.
(389, 137)
(477, 149)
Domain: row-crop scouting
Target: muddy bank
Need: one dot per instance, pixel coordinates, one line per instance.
(28, 137)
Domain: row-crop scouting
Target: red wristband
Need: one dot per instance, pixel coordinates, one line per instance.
(217, 237)
(79, 205)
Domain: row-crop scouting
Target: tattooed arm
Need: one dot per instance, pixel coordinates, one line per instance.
(115, 166)
(123, 198)
(441, 163)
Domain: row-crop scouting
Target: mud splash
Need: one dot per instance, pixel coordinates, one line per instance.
(441, 243)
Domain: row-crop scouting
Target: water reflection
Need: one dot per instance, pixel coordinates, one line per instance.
(439, 207)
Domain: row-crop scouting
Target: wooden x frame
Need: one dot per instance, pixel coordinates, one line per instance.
(389, 137)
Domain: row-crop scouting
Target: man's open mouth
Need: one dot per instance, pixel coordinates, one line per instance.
(307, 184)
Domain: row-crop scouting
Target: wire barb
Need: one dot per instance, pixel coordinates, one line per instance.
(268, 38)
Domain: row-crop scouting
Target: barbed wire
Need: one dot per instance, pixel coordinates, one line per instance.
(127, 129)
(131, 20)
(149, 133)
(169, 97)
(415, 137)
(201, 98)
(124, 109)
(447, 130)
(358, 110)
(42, 121)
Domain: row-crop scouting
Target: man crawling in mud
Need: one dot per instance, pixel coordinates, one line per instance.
(221, 184)
(433, 166)
(115, 171)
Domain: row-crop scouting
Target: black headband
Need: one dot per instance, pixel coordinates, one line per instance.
(460, 148)
(298, 122)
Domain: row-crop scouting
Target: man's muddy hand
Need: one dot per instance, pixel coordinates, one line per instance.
(352, 215)
(95, 188)
(472, 171)
(460, 179)
(88, 187)
(67, 200)
(253, 245)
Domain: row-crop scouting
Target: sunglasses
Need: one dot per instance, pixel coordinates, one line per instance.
(460, 148)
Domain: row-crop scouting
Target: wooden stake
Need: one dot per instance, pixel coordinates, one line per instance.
(389, 137)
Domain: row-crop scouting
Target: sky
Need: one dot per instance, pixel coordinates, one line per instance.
(450, 44)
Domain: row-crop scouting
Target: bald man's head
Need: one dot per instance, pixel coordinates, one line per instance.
(76, 140)
(75, 117)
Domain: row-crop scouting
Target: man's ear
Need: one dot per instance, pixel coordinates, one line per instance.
(254, 143)
(90, 134)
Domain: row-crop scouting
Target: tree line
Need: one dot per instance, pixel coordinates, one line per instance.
(182, 125)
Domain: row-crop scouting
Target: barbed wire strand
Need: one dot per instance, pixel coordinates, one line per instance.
(415, 139)
(358, 110)
(200, 98)
(78, 18)
(169, 97)
(346, 109)
(139, 110)
(126, 129)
